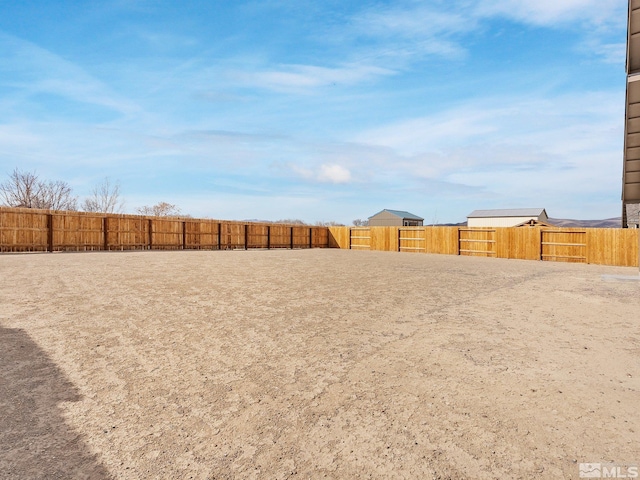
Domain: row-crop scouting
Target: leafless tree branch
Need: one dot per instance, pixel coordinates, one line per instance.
(26, 190)
(104, 199)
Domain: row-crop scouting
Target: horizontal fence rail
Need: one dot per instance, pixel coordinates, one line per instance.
(602, 246)
(30, 230)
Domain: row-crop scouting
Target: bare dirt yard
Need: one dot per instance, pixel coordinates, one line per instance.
(312, 364)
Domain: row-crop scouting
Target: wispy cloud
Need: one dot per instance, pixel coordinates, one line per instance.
(34, 70)
(555, 12)
(515, 148)
(301, 78)
(612, 53)
(403, 33)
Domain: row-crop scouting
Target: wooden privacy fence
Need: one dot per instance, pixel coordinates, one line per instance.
(29, 230)
(603, 246)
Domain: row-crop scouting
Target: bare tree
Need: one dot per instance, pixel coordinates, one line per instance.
(360, 223)
(291, 221)
(330, 223)
(105, 198)
(26, 190)
(161, 209)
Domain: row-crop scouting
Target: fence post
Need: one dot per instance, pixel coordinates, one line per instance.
(184, 235)
(219, 236)
(349, 232)
(458, 242)
(105, 229)
(150, 234)
(268, 237)
(540, 250)
(310, 237)
(399, 235)
(50, 232)
(291, 238)
(246, 236)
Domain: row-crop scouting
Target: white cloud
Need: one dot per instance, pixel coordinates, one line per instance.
(35, 70)
(401, 32)
(334, 174)
(553, 12)
(512, 148)
(306, 77)
(613, 53)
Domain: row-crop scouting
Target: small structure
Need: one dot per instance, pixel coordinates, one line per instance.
(633, 215)
(395, 218)
(510, 217)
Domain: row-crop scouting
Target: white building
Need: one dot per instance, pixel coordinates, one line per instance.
(510, 217)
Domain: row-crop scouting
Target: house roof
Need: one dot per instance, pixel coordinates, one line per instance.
(507, 212)
(400, 213)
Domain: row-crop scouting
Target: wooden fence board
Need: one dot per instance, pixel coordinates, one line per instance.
(565, 245)
(518, 243)
(23, 230)
(613, 246)
(609, 246)
(412, 239)
(339, 237)
(477, 242)
(201, 235)
(442, 240)
(360, 238)
(280, 236)
(320, 237)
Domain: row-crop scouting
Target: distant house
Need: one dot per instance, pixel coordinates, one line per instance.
(510, 217)
(395, 218)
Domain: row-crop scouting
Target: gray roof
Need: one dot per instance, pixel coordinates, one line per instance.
(507, 212)
(399, 213)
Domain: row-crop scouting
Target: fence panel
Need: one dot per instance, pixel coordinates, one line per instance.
(127, 233)
(77, 232)
(521, 243)
(412, 239)
(384, 238)
(167, 234)
(339, 237)
(442, 240)
(607, 246)
(320, 237)
(301, 237)
(258, 236)
(568, 245)
(201, 235)
(24, 230)
(360, 238)
(280, 236)
(478, 242)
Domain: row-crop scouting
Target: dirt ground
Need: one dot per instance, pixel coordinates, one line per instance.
(313, 364)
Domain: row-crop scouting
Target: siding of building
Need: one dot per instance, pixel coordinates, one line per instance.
(504, 218)
(498, 221)
(387, 218)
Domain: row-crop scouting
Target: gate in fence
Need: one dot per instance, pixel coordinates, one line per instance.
(479, 242)
(564, 246)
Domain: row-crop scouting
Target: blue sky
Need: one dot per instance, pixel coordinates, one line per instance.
(320, 110)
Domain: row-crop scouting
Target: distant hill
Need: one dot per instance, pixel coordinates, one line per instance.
(566, 222)
(606, 223)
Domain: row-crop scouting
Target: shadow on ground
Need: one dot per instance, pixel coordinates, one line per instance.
(35, 440)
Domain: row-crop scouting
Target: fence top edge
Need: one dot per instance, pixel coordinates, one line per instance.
(96, 215)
